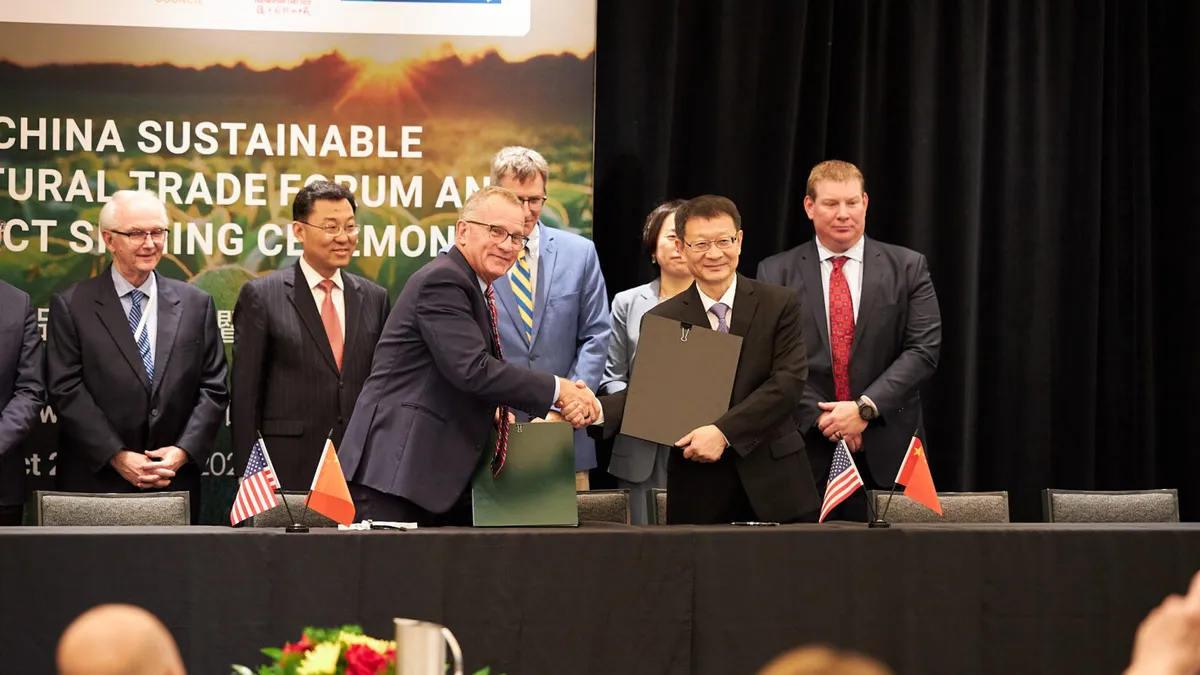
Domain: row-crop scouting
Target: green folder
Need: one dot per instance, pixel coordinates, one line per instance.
(536, 487)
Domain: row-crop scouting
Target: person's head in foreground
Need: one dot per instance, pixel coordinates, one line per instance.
(118, 640)
(823, 661)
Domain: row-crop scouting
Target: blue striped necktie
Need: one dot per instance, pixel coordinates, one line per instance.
(143, 338)
(522, 286)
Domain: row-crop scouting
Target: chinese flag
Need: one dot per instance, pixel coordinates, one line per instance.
(329, 495)
(915, 477)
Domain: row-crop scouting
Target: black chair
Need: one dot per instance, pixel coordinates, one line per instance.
(1110, 506)
(658, 506)
(957, 507)
(278, 516)
(605, 506)
(115, 508)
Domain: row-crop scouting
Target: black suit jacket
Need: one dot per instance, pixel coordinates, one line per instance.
(22, 389)
(285, 382)
(897, 337)
(103, 399)
(767, 448)
(426, 412)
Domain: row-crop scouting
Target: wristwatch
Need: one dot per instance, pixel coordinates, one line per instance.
(865, 410)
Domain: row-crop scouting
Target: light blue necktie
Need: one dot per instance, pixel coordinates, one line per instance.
(718, 310)
(143, 338)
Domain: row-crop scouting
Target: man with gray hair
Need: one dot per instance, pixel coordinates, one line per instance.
(135, 366)
(553, 306)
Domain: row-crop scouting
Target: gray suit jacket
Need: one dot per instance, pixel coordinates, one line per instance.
(632, 458)
(22, 388)
(897, 338)
(285, 382)
(426, 411)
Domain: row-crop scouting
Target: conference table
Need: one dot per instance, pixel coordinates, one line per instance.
(613, 599)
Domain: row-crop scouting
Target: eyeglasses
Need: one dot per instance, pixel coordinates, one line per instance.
(334, 230)
(498, 233)
(533, 202)
(702, 246)
(138, 237)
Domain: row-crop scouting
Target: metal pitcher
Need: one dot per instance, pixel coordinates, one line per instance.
(421, 648)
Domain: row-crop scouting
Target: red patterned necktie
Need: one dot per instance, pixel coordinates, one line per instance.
(329, 317)
(501, 450)
(841, 328)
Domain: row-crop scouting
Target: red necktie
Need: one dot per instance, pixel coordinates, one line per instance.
(329, 317)
(841, 328)
(501, 450)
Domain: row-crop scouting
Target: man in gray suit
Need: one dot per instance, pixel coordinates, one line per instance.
(22, 394)
(303, 340)
(135, 366)
(873, 331)
(439, 382)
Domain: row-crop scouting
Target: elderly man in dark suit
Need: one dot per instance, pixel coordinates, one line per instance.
(22, 394)
(136, 367)
(748, 464)
(439, 381)
(303, 340)
(874, 333)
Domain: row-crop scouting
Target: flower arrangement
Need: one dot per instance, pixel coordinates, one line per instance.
(331, 651)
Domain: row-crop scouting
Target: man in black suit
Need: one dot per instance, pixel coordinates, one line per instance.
(871, 353)
(22, 394)
(749, 463)
(439, 382)
(136, 367)
(303, 340)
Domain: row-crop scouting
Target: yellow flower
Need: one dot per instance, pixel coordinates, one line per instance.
(321, 660)
(379, 646)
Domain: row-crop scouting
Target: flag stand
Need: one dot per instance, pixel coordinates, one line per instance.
(295, 526)
(877, 521)
(299, 528)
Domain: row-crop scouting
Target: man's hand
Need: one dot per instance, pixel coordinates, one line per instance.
(854, 443)
(552, 416)
(141, 471)
(840, 419)
(705, 444)
(577, 403)
(163, 464)
(1168, 640)
(512, 419)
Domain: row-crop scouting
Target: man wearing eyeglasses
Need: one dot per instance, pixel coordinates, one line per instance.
(553, 305)
(749, 463)
(441, 380)
(303, 340)
(135, 365)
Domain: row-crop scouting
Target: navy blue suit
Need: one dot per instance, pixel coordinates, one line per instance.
(22, 388)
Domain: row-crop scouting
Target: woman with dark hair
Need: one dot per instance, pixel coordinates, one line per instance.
(637, 464)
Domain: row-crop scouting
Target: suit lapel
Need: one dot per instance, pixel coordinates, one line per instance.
(301, 298)
(112, 315)
(169, 312)
(744, 306)
(814, 288)
(872, 281)
(693, 308)
(547, 258)
(352, 298)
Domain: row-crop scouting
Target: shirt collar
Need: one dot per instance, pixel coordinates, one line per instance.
(727, 299)
(313, 277)
(855, 252)
(124, 287)
(534, 239)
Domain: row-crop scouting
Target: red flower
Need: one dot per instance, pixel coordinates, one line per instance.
(298, 647)
(362, 660)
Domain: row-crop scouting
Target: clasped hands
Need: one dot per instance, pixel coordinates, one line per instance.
(576, 403)
(153, 469)
(841, 421)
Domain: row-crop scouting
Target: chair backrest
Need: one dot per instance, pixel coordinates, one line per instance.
(1120, 506)
(605, 506)
(86, 508)
(278, 516)
(658, 506)
(957, 507)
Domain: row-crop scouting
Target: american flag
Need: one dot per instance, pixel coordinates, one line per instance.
(843, 480)
(257, 491)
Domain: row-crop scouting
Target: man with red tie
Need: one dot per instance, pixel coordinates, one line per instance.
(873, 331)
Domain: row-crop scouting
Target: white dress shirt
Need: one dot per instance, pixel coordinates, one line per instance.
(852, 269)
(314, 278)
(727, 299)
(149, 304)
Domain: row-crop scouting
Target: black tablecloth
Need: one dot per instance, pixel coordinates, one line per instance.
(618, 600)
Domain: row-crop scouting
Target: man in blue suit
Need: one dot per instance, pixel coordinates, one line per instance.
(441, 379)
(554, 306)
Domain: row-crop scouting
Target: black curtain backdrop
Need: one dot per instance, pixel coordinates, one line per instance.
(1039, 153)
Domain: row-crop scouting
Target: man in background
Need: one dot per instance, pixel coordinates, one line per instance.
(553, 305)
(118, 640)
(873, 332)
(135, 366)
(303, 341)
(22, 393)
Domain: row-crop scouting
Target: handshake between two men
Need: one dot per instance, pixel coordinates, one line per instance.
(576, 404)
